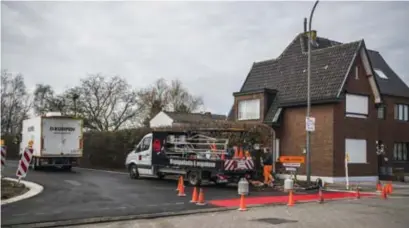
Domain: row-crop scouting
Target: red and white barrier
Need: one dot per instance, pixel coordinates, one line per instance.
(24, 163)
(3, 156)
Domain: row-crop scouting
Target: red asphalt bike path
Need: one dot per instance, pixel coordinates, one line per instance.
(260, 200)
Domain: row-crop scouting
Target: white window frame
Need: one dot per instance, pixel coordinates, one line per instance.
(356, 105)
(401, 152)
(357, 150)
(253, 104)
(381, 112)
(401, 112)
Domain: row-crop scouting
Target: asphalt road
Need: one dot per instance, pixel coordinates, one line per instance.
(85, 193)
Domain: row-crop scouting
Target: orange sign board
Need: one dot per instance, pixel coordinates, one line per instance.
(292, 159)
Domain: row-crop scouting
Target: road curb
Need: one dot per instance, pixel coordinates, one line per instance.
(337, 190)
(86, 221)
(35, 189)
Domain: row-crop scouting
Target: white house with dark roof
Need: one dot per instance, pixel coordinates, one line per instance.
(171, 119)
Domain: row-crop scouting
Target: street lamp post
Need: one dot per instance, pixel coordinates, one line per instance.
(308, 149)
(75, 97)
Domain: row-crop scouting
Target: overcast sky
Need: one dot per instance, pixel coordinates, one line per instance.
(210, 46)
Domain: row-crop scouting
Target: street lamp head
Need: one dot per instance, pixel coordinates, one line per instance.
(75, 96)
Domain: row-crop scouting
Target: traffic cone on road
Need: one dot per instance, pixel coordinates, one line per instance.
(379, 186)
(182, 190)
(242, 203)
(320, 196)
(290, 199)
(194, 196)
(201, 200)
(358, 194)
(384, 195)
(390, 188)
(179, 182)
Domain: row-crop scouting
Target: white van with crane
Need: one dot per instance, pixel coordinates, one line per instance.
(195, 156)
(57, 140)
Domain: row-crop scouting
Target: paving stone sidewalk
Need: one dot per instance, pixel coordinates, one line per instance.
(370, 212)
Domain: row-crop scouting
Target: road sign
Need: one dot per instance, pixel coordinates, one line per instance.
(310, 123)
(292, 159)
(292, 164)
(290, 169)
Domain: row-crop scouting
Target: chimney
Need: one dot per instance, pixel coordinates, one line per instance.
(305, 25)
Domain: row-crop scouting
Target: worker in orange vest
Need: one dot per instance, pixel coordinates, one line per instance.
(268, 167)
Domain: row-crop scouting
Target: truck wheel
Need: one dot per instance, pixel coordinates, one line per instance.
(194, 178)
(133, 171)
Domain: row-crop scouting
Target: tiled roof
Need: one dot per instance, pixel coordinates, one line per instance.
(288, 73)
(331, 61)
(180, 117)
(393, 85)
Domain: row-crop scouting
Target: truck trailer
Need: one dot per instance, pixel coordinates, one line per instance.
(197, 157)
(57, 140)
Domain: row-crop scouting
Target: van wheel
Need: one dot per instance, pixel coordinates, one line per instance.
(194, 178)
(133, 171)
(35, 165)
(161, 176)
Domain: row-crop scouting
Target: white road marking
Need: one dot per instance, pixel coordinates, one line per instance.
(73, 182)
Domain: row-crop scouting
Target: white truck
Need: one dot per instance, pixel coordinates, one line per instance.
(57, 140)
(195, 156)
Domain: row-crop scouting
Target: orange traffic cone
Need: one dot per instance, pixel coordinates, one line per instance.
(179, 183)
(201, 201)
(358, 194)
(182, 190)
(242, 203)
(320, 196)
(290, 199)
(241, 153)
(378, 186)
(390, 188)
(384, 194)
(236, 152)
(194, 195)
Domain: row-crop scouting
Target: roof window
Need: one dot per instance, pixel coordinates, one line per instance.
(380, 73)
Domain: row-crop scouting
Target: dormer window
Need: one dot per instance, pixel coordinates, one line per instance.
(380, 74)
(249, 109)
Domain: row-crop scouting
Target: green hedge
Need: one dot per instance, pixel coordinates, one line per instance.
(108, 150)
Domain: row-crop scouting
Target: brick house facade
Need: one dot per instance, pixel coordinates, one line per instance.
(347, 99)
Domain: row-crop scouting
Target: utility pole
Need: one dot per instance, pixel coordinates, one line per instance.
(308, 147)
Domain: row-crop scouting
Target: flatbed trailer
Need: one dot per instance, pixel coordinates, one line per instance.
(197, 157)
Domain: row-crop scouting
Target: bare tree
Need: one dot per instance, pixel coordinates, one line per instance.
(105, 103)
(45, 100)
(180, 100)
(15, 102)
(163, 96)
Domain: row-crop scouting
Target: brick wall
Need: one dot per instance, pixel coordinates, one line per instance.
(356, 128)
(293, 137)
(391, 130)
